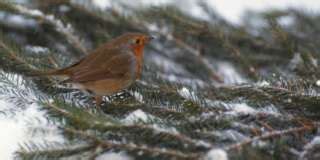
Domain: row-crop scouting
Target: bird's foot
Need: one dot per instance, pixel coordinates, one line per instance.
(98, 100)
(100, 104)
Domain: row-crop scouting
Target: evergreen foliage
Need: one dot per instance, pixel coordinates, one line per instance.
(179, 109)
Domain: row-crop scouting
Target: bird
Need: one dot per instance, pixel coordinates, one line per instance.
(108, 69)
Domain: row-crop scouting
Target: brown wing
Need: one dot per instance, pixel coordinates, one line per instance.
(105, 66)
(100, 51)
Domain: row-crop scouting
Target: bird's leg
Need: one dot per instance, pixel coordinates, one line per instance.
(98, 100)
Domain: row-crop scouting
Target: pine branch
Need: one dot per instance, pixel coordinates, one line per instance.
(178, 120)
(17, 62)
(152, 151)
(273, 134)
(46, 19)
(47, 153)
(78, 116)
(271, 94)
(200, 58)
(89, 121)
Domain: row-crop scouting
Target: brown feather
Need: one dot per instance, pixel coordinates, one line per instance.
(120, 64)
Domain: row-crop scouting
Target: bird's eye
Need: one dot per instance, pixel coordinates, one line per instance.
(138, 41)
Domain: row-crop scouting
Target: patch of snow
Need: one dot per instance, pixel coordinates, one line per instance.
(140, 116)
(242, 126)
(64, 8)
(153, 27)
(16, 129)
(159, 30)
(148, 2)
(318, 83)
(229, 74)
(28, 95)
(240, 108)
(36, 49)
(192, 8)
(314, 142)
(314, 61)
(165, 129)
(32, 12)
(230, 134)
(254, 23)
(263, 84)
(136, 116)
(270, 109)
(205, 115)
(138, 96)
(114, 156)
(32, 117)
(259, 144)
(233, 10)
(22, 124)
(11, 134)
(286, 20)
(186, 93)
(215, 103)
(295, 61)
(182, 80)
(167, 65)
(19, 21)
(243, 108)
(216, 154)
(203, 143)
(102, 3)
(59, 25)
(139, 3)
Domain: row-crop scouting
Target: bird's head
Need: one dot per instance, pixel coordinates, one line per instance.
(135, 41)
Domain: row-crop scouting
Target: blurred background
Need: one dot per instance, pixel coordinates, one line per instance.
(222, 80)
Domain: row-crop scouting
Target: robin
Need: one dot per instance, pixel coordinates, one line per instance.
(110, 68)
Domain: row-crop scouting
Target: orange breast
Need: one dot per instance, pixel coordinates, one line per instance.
(138, 52)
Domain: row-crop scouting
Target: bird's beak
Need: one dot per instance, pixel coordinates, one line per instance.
(149, 38)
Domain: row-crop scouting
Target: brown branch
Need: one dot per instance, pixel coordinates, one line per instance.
(65, 151)
(272, 134)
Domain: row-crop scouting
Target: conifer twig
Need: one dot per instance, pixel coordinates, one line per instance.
(201, 59)
(153, 151)
(49, 19)
(53, 153)
(103, 126)
(272, 134)
(13, 56)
